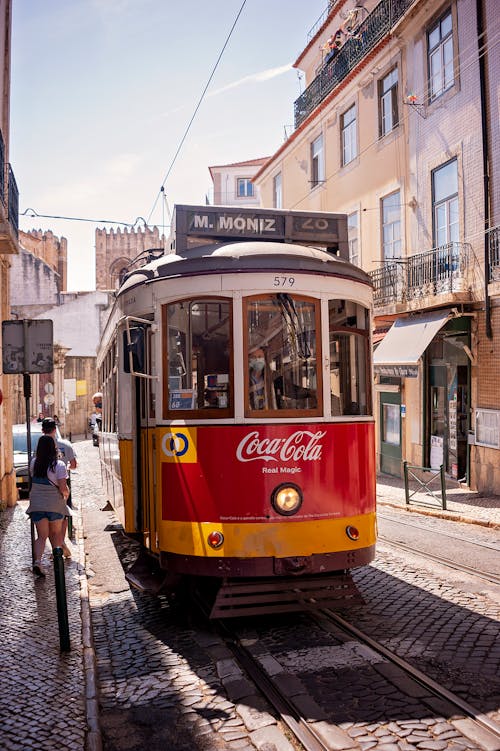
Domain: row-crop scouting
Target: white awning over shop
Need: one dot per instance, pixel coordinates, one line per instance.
(408, 338)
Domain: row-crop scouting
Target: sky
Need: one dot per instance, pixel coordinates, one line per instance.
(103, 91)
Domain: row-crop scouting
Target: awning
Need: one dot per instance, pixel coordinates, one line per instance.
(408, 338)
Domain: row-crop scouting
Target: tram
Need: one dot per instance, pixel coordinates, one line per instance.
(237, 440)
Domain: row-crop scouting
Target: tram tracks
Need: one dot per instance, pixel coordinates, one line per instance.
(316, 734)
(487, 576)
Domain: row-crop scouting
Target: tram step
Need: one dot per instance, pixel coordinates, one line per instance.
(146, 575)
(239, 597)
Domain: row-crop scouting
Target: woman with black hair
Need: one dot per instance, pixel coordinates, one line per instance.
(48, 496)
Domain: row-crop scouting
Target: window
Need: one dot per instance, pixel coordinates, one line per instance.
(391, 226)
(440, 53)
(277, 192)
(198, 372)
(388, 102)
(348, 132)
(317, 162)
(283, 349)
(349, 328)
(352, 237)
(445, 203)
(488, 428)
(244, 187)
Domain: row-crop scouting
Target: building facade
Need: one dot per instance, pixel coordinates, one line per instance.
(38, 291)
(232, 184)
(9, 226)
(398, 128)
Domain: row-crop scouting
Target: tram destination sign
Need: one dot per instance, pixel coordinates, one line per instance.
(220, 224)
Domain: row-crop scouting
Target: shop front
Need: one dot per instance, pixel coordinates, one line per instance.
(430, 356)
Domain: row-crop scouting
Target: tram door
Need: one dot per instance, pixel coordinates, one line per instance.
(145, 419)
(390, 433)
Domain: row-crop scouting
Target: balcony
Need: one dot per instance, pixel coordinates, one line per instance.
(369, 32)
(9, 206)
(436, 277)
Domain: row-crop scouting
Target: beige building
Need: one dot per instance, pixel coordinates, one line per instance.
(232, 184)
(396, 128)
(9, 215)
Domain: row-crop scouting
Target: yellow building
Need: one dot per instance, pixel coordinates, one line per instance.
(391, 129)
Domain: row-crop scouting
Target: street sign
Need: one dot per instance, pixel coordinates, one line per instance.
(27, 346)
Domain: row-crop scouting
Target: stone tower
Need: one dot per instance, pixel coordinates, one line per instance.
(116, 251)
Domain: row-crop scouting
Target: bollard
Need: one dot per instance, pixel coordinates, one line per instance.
(62, 605)
(407, 489)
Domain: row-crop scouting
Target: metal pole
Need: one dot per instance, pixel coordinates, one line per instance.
(62, 605)
(443, 487)
(407, 492)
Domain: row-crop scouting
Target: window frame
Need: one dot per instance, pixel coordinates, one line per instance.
(197, 413)
(438, 52)
(391, 224)
(384, 95)
(317, 156)
(446, 202)
(353, 241)
(349, 136)
(278, 191)
(360, 334)
(297, 413)
(248, 187)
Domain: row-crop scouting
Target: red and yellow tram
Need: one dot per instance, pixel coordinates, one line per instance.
(237, 427)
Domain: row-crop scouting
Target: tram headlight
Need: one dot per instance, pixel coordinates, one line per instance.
(286, 499)
(352, 532)
(215, 539)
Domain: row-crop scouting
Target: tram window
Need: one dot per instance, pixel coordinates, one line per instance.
(283, 350)
(198, 373)
(349, 344)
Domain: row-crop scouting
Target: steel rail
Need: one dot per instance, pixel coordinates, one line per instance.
(288, 713)
(424, 528)
(492, 578)
(441, 691)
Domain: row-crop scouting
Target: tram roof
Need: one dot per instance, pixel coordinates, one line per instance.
(238, 257)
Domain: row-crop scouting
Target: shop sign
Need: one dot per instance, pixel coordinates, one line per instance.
(397, 371)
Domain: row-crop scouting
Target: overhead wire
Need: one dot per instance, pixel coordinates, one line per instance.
(188, 127)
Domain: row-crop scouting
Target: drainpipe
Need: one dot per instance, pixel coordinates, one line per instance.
(481, 41)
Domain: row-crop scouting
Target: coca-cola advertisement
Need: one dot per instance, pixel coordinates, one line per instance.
(228, 473)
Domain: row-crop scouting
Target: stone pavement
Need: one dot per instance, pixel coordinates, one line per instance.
(462, 504)
(49, 698)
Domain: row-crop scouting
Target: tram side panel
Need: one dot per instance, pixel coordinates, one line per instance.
(221, 479)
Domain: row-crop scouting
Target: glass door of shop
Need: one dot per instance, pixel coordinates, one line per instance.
(390, 433)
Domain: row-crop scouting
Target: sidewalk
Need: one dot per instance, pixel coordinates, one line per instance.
(49, 698)
(462, 504)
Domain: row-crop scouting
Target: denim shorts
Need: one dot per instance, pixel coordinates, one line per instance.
(52, 516)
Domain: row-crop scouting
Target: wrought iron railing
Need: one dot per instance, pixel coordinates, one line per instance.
(13, 202)
(494, 254)
(388, 283)
(438, 271)
(370, 31)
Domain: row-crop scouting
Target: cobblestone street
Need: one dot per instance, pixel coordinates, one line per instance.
(150, 674)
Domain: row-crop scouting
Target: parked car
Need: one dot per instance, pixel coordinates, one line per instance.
(20, 445)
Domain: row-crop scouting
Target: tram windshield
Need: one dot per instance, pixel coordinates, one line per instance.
(283, 354)
(199, 362)
(349, 346)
